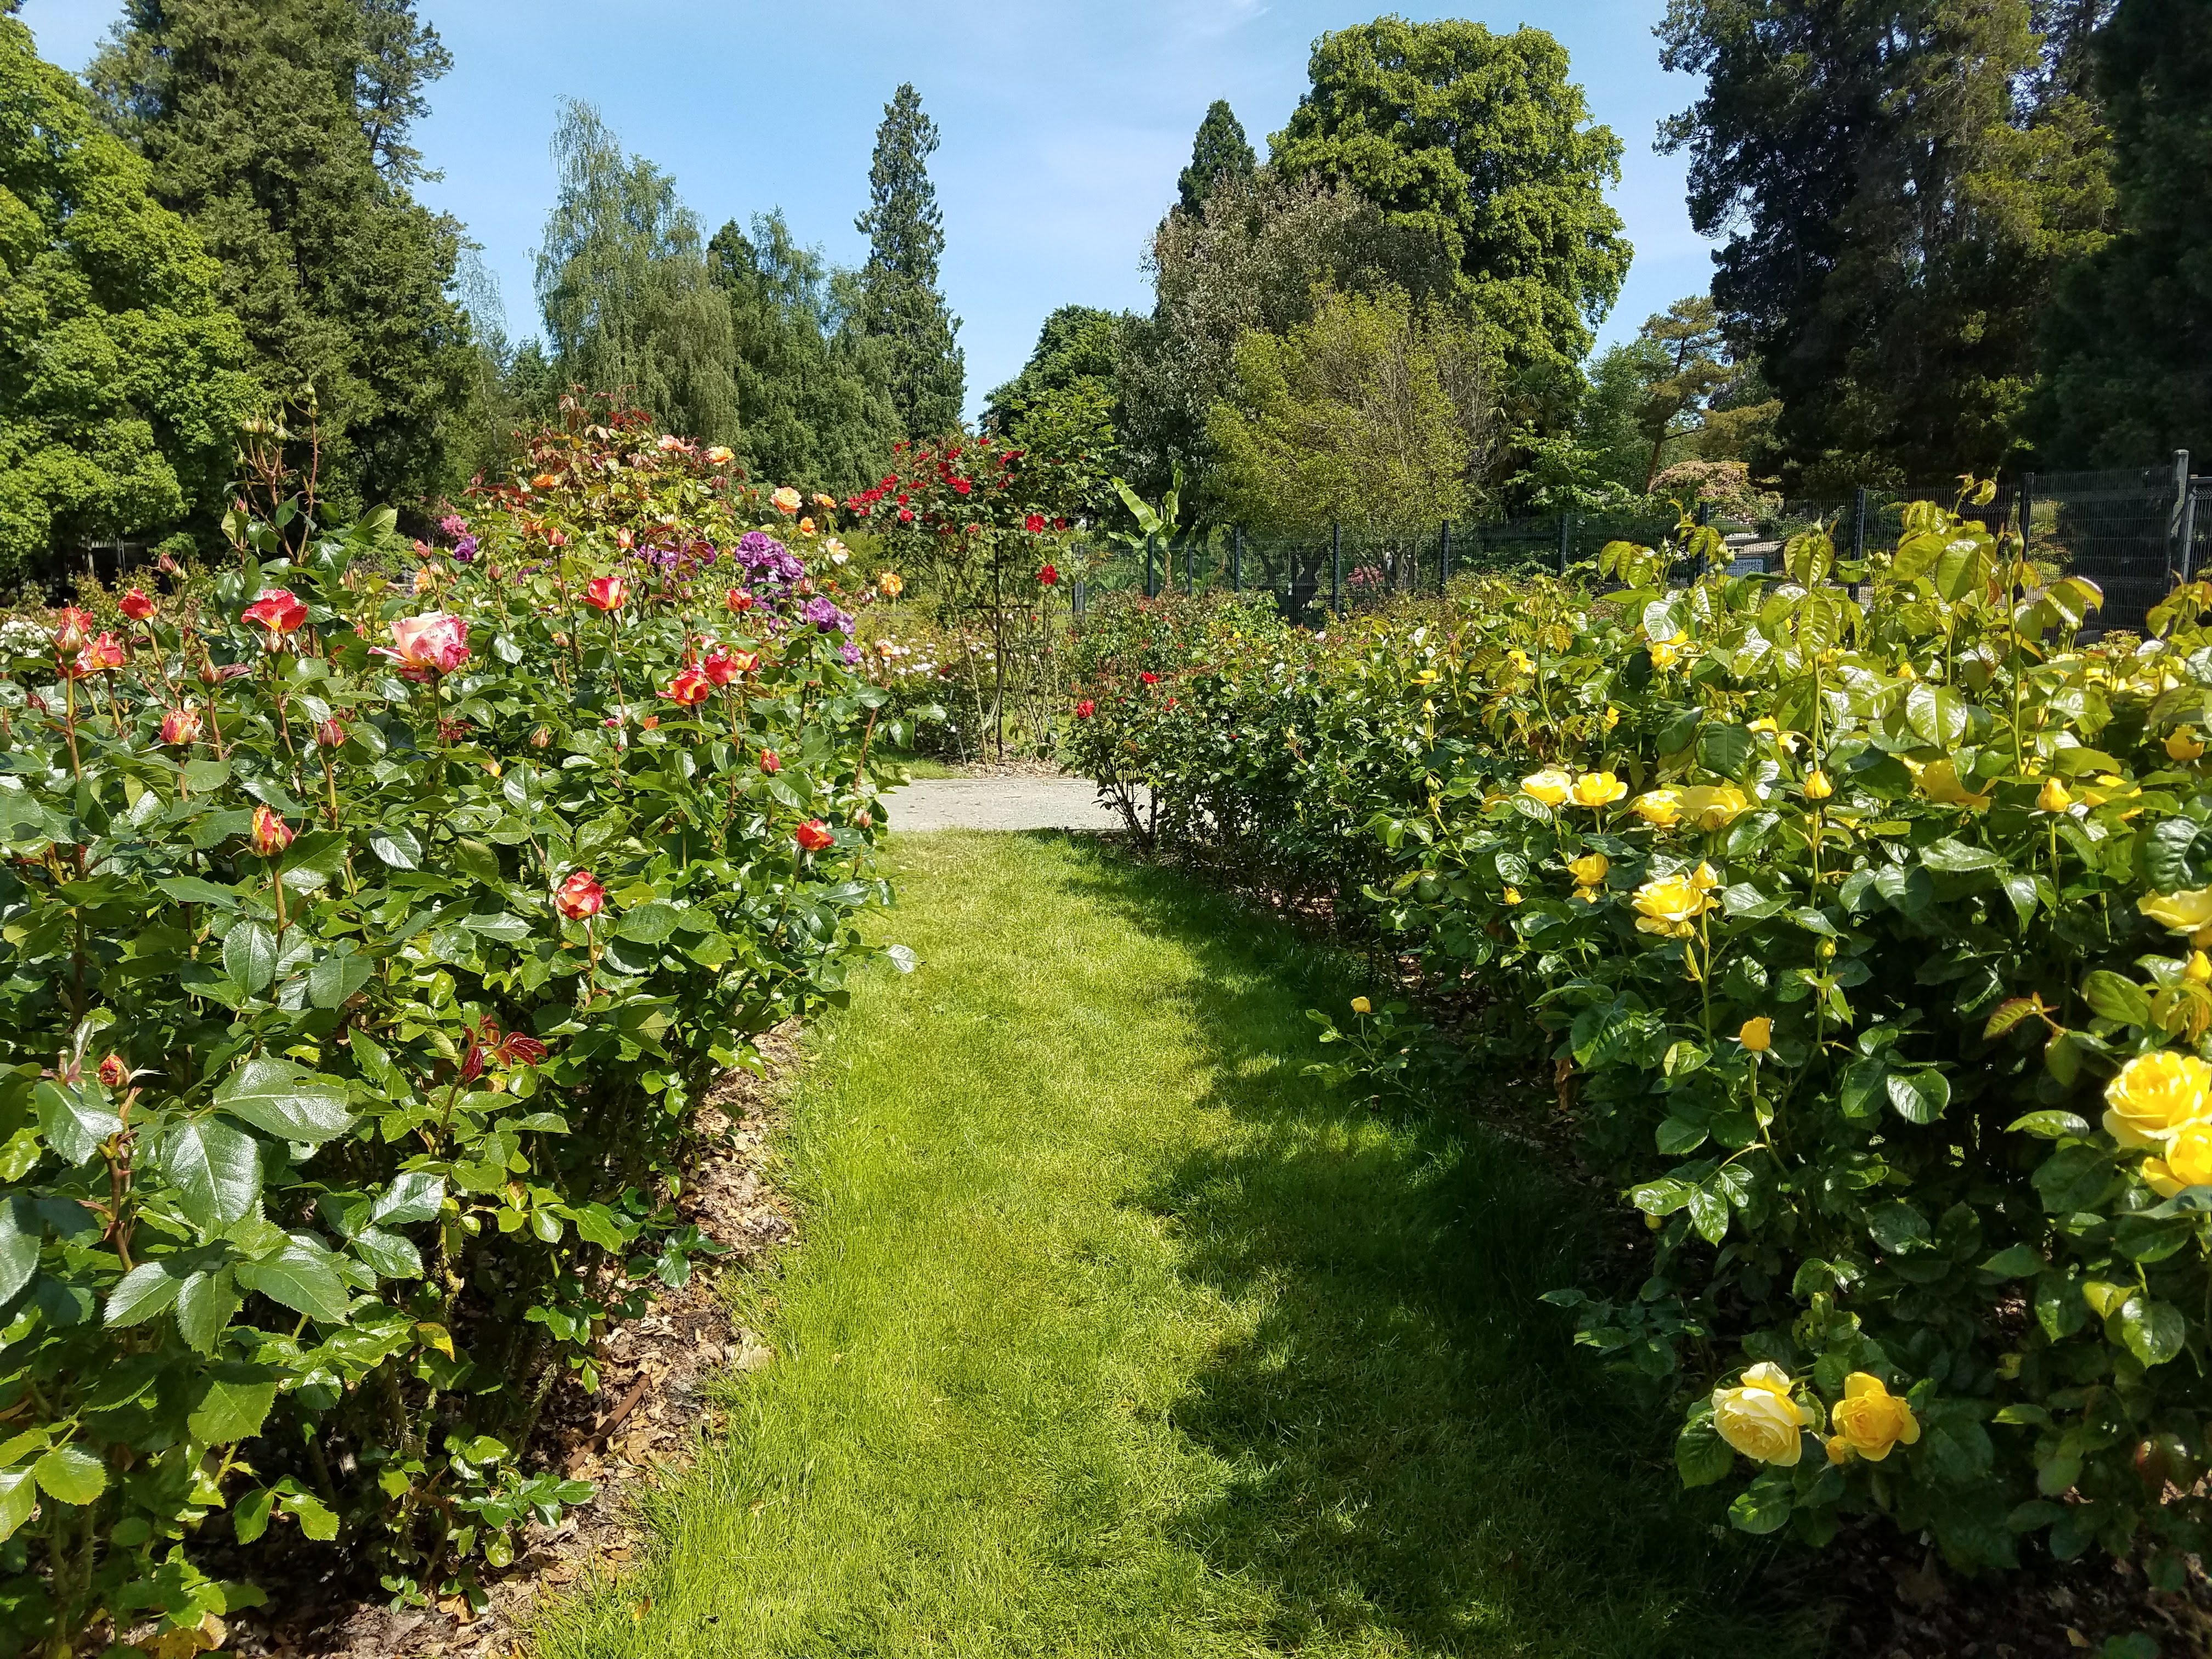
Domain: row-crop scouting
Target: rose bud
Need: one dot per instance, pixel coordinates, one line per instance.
(181, 725)
(114, 1072)
(331, 733)
(270, 833)
(770, 761)
(580, 896)
(136, 605)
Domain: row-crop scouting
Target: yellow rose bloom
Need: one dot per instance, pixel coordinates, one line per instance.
(2187, 1163)
(1659, 808)
(1905, 671)
(1714, 806)
(2187, 912)
(1759, 1418)
(2156, 1094)
(1670, 905)
(1511, 895)
(1521, 661)
(1817, 785)
(1551, 785)
(1612, 717)
(1597, 789)
(1869, 1419)
(892, 583)
(2184, 744)
(1940, 782)
(2053, 798)
(1362, 1005)
(1758, 1035)
(1589, 869)
(1665, 654)
(2199, 968)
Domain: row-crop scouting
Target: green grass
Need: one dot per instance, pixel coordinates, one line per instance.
(921, 766)
(1112, 1334)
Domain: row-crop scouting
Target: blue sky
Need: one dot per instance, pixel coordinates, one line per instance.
(1064, 125)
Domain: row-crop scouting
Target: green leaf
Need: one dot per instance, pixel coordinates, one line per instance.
(249, 956)
(249, 1516)
(70, 1474)
(2052, 1126)
(229, 1410)
(1726, 750)
(902, 957)
(1919, 1096)
(411, 1197)
(1958, 857)
(205, 1307)
(19, 1496)
(2154, 1331)
(20, 1234)
(649, 924)
(1764, 1508)
(2116, 998)
(284, 1099)
(215, 1171)
(1709, 1214)
(1701, 1457)
(315, 1520)
(1897, 1227)
(147, 1290)
(302, 1279)
(1936, 713)
(192, 889)
(74, 1117)
(392, 1255)
(2016, 1262)
(397, 847)
(336, 977)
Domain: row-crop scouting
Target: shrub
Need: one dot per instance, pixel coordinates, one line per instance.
(1868, 942)
(371, 938)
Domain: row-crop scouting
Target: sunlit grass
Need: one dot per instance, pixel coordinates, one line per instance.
(1111, 1333)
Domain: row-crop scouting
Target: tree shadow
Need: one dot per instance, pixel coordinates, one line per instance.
(1421, 1461)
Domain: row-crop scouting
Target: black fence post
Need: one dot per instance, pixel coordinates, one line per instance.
(1858, 522)
(2186, 530)
(2026, 510)
(1152, 546)
(1236, 558)
(2177, 523)
(1444, 561)
(1566, 531)
(1336, 569)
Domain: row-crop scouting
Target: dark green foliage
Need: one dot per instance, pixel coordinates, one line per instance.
(2128, 342)
(899, 300)
(813, 401)
(121, 388)
(279, 131)
(1061, 410)
(1221, 151)
(1899, 183)
(1480, 141)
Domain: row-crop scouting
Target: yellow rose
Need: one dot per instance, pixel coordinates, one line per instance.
(1817, 785)
(1758, 1035)
(1759, 1418)
(2199, 968)
(1597, 789)
(1670, 905)
(1362, 1005)
(1658, 807)
(2053, 798)
(1664, 652)
(892, 583)
(1905, 671)
(1551, 785)
(1714, 806)
(2187, 912)
(1522, 663)
(1612, 717)
(1869, 1419)
(2184, 744)
(2187, 1163)
(1939, 781)
(786, 501)
(2153, 1095)
(1767, 725)
(1511, 895)
(1589, 869)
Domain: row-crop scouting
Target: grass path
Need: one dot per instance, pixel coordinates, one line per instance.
(1112, 1334)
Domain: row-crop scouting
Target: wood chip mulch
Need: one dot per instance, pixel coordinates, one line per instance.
(653, 1409)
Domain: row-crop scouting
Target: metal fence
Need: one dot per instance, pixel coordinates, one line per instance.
(2135, 534)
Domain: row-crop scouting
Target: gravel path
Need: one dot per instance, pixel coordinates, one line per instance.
(999, 804)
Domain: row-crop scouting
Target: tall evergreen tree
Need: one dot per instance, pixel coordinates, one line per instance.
(279, 129)
(1480, 141)
(1899, 180)
(1221, 151)
(121, 383)
(813, 394)
(905, 240)
(623, 281)
(2129, 342)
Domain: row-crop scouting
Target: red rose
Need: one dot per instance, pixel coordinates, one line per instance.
(607, 592)
(278, 610)
(771, 762)
(136, 605)
(580, 896)
(1049, 576)
(271, 834)
(1084, 709)
(689, 687)
(1034, 523)
(1149, 678)
(813, 836)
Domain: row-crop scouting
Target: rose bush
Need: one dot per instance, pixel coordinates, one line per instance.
(1863, 916)
(375, 920)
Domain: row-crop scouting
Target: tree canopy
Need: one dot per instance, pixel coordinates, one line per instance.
(1480, 142)
(2129, 338)
(901, 302)
(279, 131)
(1221, 151)
(122, 385)
(1059, 411)
(623, 281)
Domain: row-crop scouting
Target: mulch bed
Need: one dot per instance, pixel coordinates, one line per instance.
(654, 1408)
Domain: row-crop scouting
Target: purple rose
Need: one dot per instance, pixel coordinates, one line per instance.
(465, 550)
(851, 653)
(826, 615)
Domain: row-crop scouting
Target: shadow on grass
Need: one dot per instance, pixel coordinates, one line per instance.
(1416, 1447)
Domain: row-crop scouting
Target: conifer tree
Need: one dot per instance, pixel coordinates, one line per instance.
(1221, 151)
(902, 304)
(279, 131)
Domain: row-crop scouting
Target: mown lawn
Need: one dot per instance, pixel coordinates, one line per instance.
(1112, 1333)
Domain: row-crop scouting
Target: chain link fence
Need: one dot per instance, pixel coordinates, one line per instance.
(2135, 533)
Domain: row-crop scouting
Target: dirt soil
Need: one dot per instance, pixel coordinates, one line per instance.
(653, 1410)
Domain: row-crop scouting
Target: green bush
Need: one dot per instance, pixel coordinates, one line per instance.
(371, 939)
(1863, 929)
